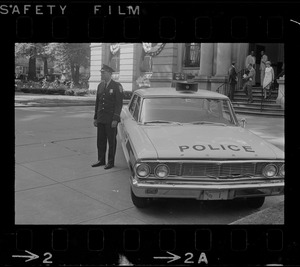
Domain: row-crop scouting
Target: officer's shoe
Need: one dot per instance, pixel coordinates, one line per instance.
(109, 166)
(98, 163)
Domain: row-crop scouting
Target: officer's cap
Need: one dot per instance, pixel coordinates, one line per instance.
(107, 68)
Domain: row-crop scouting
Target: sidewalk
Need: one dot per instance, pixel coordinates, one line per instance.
(37, 100)
(272, 215)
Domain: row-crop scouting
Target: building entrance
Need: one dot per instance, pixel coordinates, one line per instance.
(275, 54)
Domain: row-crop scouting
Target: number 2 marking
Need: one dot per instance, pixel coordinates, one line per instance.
(188, 259)
(46, 260)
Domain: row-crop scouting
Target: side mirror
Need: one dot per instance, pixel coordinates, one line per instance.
(243, 122)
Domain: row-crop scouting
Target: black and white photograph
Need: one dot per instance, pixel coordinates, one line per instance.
(149, 133)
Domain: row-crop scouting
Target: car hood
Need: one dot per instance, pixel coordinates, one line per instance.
(209, 141)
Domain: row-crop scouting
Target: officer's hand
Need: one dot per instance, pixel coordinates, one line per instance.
(95, 123)
(114, 124)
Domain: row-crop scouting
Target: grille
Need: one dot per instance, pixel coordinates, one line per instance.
(214, 169)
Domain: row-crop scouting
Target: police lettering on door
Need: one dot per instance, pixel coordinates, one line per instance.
(216, 148)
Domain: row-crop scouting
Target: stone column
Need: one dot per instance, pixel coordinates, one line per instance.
(222, 65)
(206, 66)
(164, 65)
(95, 65)
(223, 58)
(206, 59)
(127, 66)
(242, 52)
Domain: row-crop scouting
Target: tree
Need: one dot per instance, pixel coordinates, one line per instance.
(70, 57)
(32, 51)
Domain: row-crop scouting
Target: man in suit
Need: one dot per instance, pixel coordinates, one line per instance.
(232, 79)
(249, 81)
(109, 102)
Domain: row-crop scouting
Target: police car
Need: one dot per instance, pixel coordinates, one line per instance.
(187, 143)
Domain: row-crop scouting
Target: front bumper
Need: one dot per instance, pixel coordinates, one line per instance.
(199, 191)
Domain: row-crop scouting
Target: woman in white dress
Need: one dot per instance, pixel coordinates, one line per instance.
(268, 79)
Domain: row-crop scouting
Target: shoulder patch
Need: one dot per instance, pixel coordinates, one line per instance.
(120, 88)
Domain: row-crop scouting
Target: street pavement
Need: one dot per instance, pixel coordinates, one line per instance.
(55, 184)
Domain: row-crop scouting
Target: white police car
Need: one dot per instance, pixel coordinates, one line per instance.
(187, 143)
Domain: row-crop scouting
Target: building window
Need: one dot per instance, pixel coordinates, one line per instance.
(191, 55)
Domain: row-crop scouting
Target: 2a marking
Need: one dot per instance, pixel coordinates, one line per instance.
(49, 256)
(190, 256)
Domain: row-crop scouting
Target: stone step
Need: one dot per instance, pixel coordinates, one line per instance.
(257, 105)
(260, 113)
(253, 109)
(256, 100)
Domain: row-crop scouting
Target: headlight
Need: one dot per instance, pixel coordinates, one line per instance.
(270, 170)
(161, 171)
(281, 171)
(143, 170)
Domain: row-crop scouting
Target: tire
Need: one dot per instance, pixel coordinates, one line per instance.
(255, 202)
(140, 202)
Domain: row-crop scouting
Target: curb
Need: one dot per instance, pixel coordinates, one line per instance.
(60, 103)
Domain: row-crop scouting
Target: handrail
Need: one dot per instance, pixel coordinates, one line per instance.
(226, 82)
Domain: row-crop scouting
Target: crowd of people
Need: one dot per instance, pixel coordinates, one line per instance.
(267, 77)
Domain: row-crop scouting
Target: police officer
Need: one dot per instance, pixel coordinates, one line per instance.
(109, 102)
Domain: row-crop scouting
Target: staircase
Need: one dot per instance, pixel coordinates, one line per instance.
(259, 106)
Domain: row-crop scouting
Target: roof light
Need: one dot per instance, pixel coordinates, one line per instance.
(186, 87)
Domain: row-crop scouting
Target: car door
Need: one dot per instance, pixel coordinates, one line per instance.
(128, 121)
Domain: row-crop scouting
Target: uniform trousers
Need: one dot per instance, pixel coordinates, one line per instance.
(105, 133)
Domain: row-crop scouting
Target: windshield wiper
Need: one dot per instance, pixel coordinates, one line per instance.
(162, 121)
(208, 122)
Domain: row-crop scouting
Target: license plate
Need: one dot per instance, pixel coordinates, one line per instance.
(215, 195)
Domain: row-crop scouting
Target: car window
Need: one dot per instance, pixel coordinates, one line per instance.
(132, 104)
(137, 109)
(187, 110)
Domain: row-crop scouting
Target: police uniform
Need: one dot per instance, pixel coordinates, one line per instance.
(109, 102)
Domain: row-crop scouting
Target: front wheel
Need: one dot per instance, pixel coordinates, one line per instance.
(140, 202)
(255, 202)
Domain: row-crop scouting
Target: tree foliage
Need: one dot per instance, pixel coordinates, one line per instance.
(70, 56)
(66, 56)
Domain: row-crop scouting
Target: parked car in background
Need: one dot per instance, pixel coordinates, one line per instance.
(188, 143)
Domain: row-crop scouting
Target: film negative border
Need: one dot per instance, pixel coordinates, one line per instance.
(162, 244)
(143, 21)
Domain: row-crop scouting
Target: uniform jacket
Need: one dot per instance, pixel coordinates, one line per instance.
(232, 75)
(250, 79)
(109, 102)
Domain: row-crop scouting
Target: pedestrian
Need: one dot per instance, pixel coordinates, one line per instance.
(249, 81)
(268, 80)
(109, 102)
(262, 67)
(232, 79)
(250, 59)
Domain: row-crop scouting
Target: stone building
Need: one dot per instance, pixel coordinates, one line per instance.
(141, 64)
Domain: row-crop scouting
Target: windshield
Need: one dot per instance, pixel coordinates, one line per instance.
(187, 110)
